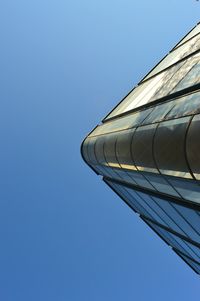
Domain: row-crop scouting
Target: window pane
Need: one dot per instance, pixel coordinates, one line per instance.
(110, 150)
(178, 77)
(169, 147)
(123, 123)
(91, 150)
(176, 55)
(142, 148)
(189, 75)
(99, 150)
(125, 176)
(161, 184)
(159, 86)
(193, 146)
(192, 33)
(188, 189)
(85, 150)
(189, 215)
(159, 112)
(148, 209)
(186, 105)
(140, 179)
(123, 149)
(178, 243)
(164, 211)
(130, 199)
(178, 218)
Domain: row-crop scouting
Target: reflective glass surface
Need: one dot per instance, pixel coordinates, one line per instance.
(190, 215)
(142, 148)
(189, 75)
(176, 55)
(110, 150)
(176, 78)
(193, 146)
(188, 189)
(178, 243)
(131, 199)
(185, 105)
(123, 123)
(123, 149)
(140, 179)
(91, 150)
(159, 112)
(183, 223)
(85, 150)
(160, 184)
(169, 147)
(192, 33)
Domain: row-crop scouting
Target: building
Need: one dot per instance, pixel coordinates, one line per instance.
(147, 149)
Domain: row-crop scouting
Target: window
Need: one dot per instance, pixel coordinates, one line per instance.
(176, 55)
(123, 123)
(109, 150)
(184, 225)
(185, 105)
(123, 149)
(188, 189)
(161, 184)
(178, 243)
(189, 75)
(193, 146)
(159, 112)
(169, 147)
(140, 179)
(191, 34)
(142, 148)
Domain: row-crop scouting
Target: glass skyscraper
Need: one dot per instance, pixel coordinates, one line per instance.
(147, 149)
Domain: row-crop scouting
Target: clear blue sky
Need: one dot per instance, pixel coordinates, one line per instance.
(65, 235)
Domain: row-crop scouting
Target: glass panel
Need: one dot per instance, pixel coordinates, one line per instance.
(159, 86)
(85, 150)
(148, 209)
(140, 179)
(142, 148)
(91, 150)
(192, 33)
(123, 149)
(173, 79)
(186, 105)
(169, 147)
(99, 150)
(110, 150)
(131, 199)
(178, 243)
(193, 146)
(191, 216)
(193, 264)
(159, 112)
(177, 217)
(189, 74)
(125, 176)
(188, 189)
(122, 123)
(176, 55)
(101, 170)
(161, 184)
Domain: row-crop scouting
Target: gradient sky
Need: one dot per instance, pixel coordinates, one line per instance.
(65, 236)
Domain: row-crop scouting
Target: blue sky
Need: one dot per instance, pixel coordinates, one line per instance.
(64, 234)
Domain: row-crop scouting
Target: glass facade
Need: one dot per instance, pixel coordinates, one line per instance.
(147, 149)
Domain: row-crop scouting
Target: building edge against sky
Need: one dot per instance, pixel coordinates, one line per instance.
(147, 149)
